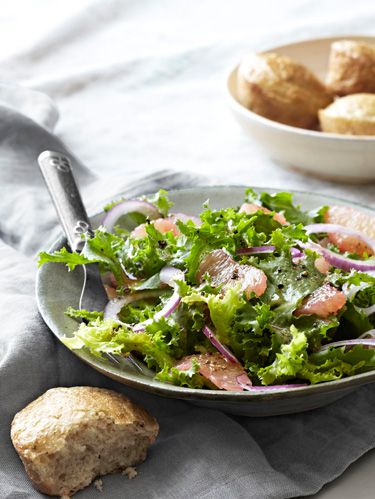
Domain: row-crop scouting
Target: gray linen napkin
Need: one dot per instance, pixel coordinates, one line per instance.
(200, 452)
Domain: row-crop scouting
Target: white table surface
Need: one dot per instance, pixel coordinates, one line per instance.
(357, 482)
(140, 85)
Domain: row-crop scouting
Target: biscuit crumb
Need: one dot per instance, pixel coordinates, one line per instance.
(98, 484)
(130, 472)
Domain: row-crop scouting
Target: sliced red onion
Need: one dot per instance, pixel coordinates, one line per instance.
(169, 307)
(368, 334)
(253, 250)
(243, 384)
(278, 387)
(168, 275)
(350, 290)
(114, 306)
(126, 207)
(139, 328)
(220, 347)
(370, 342)
(366, 310)
(340, 229)
(296, 253)
(166, 311)
(339, 261)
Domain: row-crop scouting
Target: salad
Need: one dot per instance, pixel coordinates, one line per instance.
(262, 295)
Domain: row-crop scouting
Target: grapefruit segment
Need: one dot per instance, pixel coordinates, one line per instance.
(324, 301)
(251, 208)
(217, 369)
(223, 270)
(163, 225)
(354, 219)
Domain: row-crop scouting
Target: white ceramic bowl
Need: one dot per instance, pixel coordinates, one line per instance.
(340, 157)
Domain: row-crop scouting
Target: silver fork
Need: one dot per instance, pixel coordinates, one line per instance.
(57, 172)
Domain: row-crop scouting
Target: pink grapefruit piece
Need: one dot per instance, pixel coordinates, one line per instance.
(217, 369)
(324, 301)
(163, 225)
(222, 269)
(251, 208)
(354, 219)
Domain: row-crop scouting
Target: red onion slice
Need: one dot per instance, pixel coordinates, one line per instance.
(169, 307)
(114, 306)
(296, 253)
(225, 352)
(369, 342)
(253, 250)
(139, 328)
(366, 310)
(166, 311)
(339, 261)
(350, 290)
(168, 275)
(368, 334)
(340, 229)
(242, 382)
(278, 387)
(126, 207)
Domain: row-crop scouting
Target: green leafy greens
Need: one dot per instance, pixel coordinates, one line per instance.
(272, 343)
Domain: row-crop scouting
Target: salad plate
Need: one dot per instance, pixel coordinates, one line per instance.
(57, 289)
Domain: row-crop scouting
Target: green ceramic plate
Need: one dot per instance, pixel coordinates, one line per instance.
(56, 289)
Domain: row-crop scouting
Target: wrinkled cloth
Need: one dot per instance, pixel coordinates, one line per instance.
(140, 87)
(200, 452)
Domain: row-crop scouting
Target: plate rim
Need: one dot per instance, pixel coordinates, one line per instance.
(172, 391)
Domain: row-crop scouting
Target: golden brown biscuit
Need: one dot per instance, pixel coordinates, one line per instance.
(353, 115)
(281, 89)
(351, 68)
(69, 436)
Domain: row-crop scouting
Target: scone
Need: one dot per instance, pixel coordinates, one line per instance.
(351, 68)
(281, 89)
(68, 436)
(351, 115)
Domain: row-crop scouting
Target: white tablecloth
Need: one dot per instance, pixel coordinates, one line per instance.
(140, 85)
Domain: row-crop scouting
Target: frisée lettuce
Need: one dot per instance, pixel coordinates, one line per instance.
(241, 293)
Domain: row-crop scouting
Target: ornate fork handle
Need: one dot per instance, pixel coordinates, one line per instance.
(56, 169)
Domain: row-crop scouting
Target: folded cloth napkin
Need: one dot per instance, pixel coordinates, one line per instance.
(200, 452)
